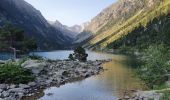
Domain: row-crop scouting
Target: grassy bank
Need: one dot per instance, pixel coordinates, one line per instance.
(13, 73)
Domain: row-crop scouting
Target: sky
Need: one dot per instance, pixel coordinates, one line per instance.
(70, 12)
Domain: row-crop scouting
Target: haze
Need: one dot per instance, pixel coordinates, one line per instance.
(70, 12)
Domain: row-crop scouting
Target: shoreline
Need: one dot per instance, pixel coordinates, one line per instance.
(50, 73)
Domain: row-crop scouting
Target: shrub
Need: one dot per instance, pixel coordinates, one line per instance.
(14, 73)
(155, 67)
(79, 54)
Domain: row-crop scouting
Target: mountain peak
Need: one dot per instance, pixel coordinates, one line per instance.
(23, 15)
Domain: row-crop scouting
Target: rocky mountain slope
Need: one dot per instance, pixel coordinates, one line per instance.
(25, 16)
(123, 17)
(72, 32)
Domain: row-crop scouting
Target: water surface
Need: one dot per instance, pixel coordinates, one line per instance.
(5, 56)
(109, 85)
(63, 54)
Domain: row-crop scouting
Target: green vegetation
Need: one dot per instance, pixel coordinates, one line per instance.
(152, 42)
(147, 35)
(79, 54)
(155, 67)
(141, 19)
(166, 95)
(13, 73)
(13, 37)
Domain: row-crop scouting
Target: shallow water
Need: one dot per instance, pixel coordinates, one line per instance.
(5, 56)
(109, 85)
(63, 54)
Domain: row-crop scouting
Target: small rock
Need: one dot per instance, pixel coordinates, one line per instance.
(12, 86)
(5, 94)
(24, 86)
(49, 94)
(126, 97)
(87, 75)
(16, 90)
(1, 90)
(65, 73)
(20, 95)
(49, 81)
(31, 84)
(0, 96)
(3, 86)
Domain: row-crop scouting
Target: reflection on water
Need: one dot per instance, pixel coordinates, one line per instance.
(63, 54)
(5, 56)
(109, 85)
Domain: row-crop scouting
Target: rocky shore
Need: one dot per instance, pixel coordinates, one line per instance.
(161, 94)
(146, 95)
(50, 73)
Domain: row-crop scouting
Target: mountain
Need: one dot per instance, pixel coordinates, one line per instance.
(25, 16)
(76, 28)
(84, 35)
(72, 32)
(121, 19)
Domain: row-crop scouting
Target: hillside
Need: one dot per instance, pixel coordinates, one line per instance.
(122, 18)
(72, 31)
(25, 16)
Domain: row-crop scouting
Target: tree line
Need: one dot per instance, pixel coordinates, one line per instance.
(14, 37)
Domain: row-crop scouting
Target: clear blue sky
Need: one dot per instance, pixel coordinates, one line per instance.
(70, 12)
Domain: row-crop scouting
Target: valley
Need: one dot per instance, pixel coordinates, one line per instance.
(121, 53)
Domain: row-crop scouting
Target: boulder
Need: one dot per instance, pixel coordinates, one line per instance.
(34, 65)
(12, 86)
(3, 86)
(2, 62)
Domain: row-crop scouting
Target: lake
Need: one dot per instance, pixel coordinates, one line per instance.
(109, 85)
